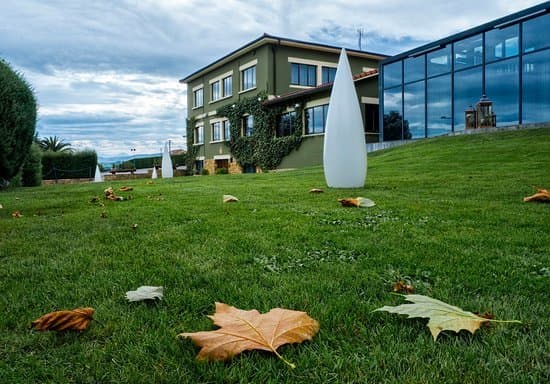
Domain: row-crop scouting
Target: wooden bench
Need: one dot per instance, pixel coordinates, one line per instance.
(115, 171)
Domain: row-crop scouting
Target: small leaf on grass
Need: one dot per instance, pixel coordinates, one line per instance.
(77, 320)
(94, 199)
(229, 199)
(361, 202)
(246, 330)
(403, 287)
(316, 190)
(134, 226)
(16, 214)
(1, 206)
(443, 317)
(145, 292)
(542, 195)
(126, 189)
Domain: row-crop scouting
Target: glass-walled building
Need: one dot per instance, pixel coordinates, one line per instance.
(426, 91)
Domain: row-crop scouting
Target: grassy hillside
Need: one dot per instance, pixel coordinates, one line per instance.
(449, 218)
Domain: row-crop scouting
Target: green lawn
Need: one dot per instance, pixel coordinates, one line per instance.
(449, 217)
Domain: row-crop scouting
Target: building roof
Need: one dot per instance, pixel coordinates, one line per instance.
(295, 95)
(505, 21)
(271, 39)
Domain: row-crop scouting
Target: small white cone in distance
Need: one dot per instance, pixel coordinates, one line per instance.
(344, 150)
(98, 177)
(154, 176)
(167, 170)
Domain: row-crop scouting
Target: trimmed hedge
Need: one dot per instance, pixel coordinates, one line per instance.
(17, 121)
(31, 175)
(64, 165)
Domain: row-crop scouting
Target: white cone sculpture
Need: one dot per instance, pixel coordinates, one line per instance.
(154, 176)
(98, 178)
(344, 151)
(167, 170)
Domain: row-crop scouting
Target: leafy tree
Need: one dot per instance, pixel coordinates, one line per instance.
(31, 175)
(395, 128)
(17, 121)
(55, 144)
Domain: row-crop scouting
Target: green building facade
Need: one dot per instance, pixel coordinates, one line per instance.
(290, 76)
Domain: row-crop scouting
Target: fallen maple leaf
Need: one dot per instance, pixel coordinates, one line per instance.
(246, 330)
(229, 199)
(77, 320)
(403, 287)
(361, 202)
(443, 317)
(316, 190)
(542, 195)
(16, 214)
(145, 292)
(126, 189)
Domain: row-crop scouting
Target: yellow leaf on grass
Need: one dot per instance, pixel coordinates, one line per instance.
(246, 330)
(361, 202)
(443, 317)
(316, 190)
(229, 199)
(542, 195)
(76, 320)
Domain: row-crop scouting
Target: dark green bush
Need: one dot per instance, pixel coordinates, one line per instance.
(31, 175)
(64, 165)
(205, 172)
(222, 171)
(17, 121)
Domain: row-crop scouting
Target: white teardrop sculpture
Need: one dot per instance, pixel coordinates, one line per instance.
(167, 170)
(344, 151)
(98, 178)
(154, 176)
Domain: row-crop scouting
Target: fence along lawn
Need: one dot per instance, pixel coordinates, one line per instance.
(449, 218)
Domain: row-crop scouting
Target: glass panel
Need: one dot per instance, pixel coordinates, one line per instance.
(318, 123)
(226, 130)
(468, 52)
(249, 78)
(228, 86)
(468, 90)
(501, 43)
(440, 120)
(216, 131)
(536, 86)
(303, 75)
(294, 73)
(414, 109)
(215, 90)
(328, 74)
(502, 88)
(414, 68)
(392, 74)
(312, 75)
(439, 61)
(248, 125)
(536, 33)
(198, 98)
(393, 116)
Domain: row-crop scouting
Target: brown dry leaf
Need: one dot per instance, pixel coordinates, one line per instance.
(361, 202)
(402, 287)
(246, 330)
(229, 199)
(316, 190)
(126, 189)
(77, 319)
(16, 214)
(542, 195)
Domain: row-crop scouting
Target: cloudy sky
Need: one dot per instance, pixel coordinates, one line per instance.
(106, 72)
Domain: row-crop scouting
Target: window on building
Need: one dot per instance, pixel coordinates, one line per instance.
(372, 127)
(222, 163)
(328, 74)
(502, 88)
(536, 83)
(501, 43)
(439, 62)
(198, 100)
(215, 88)
(394, 126)
(248, 125)
(536, 34)
(227, 83)
(316, 118)
(414, 68)
(414, 109)
(286, 124)
(248, 77)
(198, 135)
(392, 74)
(199, 165)
(467, 91)
(303, 74)
(226, 130)
(439, 118)
(217, 131)
(468, 52)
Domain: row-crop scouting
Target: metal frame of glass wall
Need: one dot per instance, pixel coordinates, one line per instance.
(424, 92)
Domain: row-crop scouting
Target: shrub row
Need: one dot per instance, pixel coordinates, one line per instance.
(64, 165)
